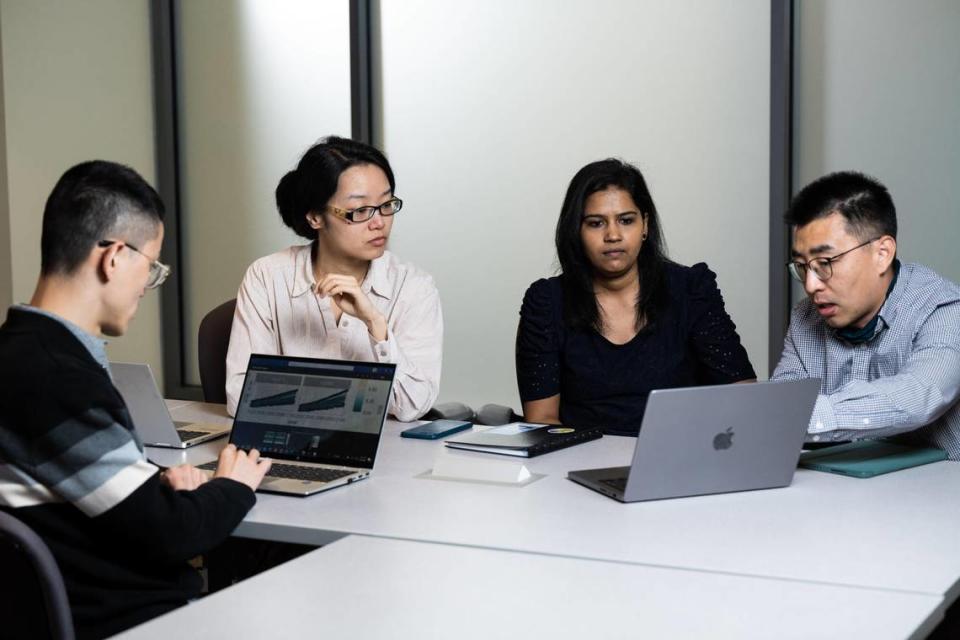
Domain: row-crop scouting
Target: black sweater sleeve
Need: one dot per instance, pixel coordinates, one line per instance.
(172, 526)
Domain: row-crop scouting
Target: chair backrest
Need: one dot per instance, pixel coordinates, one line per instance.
(34, 603)
(213, 339)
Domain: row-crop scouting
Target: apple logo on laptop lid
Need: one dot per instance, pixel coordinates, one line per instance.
(723, 440)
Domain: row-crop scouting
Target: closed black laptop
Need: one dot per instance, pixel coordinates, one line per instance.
(524, 439)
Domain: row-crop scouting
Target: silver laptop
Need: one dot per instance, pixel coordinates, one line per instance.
(151, 419)
(318, 420)
(717, 439)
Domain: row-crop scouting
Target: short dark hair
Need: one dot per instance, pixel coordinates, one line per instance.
(94, 201)
(310, 186)
(580, 302)
(864, 203)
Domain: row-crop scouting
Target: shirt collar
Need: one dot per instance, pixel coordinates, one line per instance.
(95, 345)
(884, 318)
(377, 279)
(888, 312)
(303, 280)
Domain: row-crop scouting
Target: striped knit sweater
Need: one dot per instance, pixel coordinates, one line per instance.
(72, 468)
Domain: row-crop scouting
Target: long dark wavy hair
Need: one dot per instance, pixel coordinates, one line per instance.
(579, 300)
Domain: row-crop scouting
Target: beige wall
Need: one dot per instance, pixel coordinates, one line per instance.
(77, 85)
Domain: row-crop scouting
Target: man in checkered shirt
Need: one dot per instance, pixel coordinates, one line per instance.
(883, 336)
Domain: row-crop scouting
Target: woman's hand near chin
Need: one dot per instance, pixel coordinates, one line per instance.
(346, 292)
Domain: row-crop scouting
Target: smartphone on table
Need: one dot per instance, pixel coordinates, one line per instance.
(436, 429)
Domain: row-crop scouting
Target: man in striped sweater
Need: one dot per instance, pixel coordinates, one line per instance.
(71, 466)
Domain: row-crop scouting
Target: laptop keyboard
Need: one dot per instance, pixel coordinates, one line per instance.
(620, 484)
(186, 434)
(295, 472)
(316, 474)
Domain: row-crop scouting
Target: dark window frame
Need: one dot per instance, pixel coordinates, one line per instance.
(165, 34)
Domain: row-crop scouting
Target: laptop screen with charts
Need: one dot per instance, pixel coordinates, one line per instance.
(319, 420)
(717, 439)
(151, 419)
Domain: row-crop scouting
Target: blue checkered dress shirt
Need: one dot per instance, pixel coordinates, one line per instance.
(906, 378)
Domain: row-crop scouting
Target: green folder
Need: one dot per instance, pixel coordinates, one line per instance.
(868, 458)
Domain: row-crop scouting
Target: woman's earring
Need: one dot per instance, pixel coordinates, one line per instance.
(644, 237)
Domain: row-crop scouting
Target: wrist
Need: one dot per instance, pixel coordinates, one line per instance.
(377, 326)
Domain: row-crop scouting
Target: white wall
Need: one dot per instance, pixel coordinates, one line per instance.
(490, 107)
(261, 82)
(76, 86)
(878, 90)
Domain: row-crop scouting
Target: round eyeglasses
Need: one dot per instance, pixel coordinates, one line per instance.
(821, 267)
(158, 271)
(362, 214)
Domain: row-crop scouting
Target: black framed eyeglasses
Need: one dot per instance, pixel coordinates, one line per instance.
(362, 214)
(821, 267)
(158, 271)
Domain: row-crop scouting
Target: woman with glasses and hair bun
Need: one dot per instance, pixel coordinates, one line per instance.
(343, 295)
(621, 319)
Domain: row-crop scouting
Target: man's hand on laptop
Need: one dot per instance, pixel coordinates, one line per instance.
(248, 468)
(184, 477)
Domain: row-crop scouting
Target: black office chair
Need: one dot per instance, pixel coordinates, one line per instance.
(213, 339)
(34, 603)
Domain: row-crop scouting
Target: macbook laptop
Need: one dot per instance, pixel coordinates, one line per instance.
(318, 420)
(151, 419)
(717, 439)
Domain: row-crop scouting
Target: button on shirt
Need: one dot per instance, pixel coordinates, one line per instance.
(279, 312)
(904, 380)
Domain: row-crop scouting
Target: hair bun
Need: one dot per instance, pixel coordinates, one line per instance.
(314, 182)
(286, 195)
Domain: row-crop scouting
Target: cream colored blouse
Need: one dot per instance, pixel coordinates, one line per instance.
(279, 312)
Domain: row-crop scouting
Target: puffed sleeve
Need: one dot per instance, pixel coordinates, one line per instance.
(721, 358)
(538, 343)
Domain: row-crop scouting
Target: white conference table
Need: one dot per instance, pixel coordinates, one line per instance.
(361, 587)
(896, 532)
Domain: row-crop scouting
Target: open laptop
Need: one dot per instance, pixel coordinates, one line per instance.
(717, 439)
(151, 418)
(319, 420)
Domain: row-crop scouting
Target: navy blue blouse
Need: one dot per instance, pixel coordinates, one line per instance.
(693, 342)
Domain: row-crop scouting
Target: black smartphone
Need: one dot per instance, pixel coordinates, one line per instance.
(436, 429)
